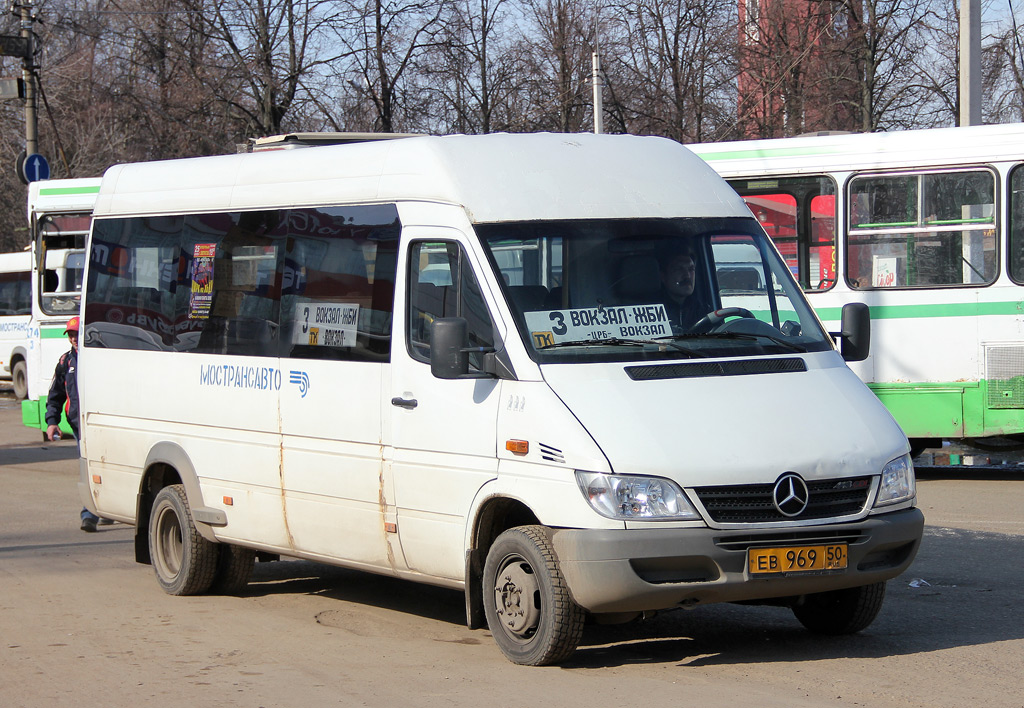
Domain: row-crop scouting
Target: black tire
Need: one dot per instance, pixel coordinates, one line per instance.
(19, 377)
(234, 568)
(841, 611)
(527, 604)
(185, 563)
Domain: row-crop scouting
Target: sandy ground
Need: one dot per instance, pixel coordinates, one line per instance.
(81, 622)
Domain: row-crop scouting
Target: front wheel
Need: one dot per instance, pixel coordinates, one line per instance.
(841, 611)
(527, 604)
(185, 563)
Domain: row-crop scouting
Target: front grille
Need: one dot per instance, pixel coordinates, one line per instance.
(752, 503)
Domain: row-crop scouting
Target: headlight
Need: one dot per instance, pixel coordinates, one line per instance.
(897, 482)
(631, 497)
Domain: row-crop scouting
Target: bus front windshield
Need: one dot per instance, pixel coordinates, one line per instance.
(649, 289)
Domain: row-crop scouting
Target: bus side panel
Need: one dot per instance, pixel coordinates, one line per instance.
(197, 402)
(334, 499)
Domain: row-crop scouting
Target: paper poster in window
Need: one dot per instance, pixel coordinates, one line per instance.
(201, 296)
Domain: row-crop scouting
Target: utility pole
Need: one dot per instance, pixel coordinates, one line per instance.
(970, 62)
(598, 96)
(28, 73)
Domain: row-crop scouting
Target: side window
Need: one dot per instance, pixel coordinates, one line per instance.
(16, 293)
(1015, 255)
(799, 215)
(919, 230)
(232, 282)
(132, 283)
(442, 284)
(339, 282)
(310, 283)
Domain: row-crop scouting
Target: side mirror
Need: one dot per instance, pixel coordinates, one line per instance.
(855, 339)
(449, 341)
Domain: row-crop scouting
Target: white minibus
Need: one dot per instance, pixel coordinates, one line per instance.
(466, 361)
(15, 318)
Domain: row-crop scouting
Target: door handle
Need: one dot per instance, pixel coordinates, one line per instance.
(408, 403)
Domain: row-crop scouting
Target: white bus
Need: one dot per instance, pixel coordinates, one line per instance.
(448, 359)
(926, 227)
(59, 214)
(15, 318)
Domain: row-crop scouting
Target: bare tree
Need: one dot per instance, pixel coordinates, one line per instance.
(474, 67)
(272, 56)
(560, 38)
(884, 40)
(672, 67)
(382, 40)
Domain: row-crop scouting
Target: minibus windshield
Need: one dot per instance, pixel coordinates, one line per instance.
(649, 289)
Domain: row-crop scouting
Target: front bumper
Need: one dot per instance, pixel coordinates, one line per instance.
(631, 570)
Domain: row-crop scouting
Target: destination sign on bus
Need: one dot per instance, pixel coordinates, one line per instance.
(325, 324)
(548, 327)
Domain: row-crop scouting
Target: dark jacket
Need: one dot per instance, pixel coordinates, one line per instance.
(64, 391)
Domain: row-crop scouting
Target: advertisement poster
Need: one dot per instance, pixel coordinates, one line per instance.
(201, 296)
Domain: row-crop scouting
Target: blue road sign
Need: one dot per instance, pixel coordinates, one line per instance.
(36, 168)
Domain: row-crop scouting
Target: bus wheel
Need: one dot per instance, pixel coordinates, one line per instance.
(526, 601)
(234, 567)
(19, 375)
(184, 561)
(841, 611)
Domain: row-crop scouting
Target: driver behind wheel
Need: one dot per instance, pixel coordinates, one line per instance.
(677, 265)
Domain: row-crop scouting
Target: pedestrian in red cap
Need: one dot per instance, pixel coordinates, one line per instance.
(64, 395)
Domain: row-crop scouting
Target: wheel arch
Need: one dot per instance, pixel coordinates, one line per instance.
(166, 464)
(495, 515)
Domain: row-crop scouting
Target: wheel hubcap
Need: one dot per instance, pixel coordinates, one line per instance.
(515, 592)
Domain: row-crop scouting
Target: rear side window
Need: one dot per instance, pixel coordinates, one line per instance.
(922, 230)
(16, 293)
(302, 283)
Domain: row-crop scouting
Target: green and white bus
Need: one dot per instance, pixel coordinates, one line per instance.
(59, 215)
(926, 227)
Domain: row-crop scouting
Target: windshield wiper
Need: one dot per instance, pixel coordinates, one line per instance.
(618, 341)
(739, 335)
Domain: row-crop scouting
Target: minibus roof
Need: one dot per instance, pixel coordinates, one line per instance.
(496, 177)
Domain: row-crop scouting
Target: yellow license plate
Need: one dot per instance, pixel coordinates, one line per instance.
(797, 559)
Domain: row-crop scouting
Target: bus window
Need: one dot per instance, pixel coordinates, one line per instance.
(61, 245)
(339, 282)
(442, 284)
(913, 230)
(799, 214)
(1015, 248)
(16, 292)
(301, 283)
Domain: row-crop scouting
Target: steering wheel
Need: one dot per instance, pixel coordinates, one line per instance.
(711, 320)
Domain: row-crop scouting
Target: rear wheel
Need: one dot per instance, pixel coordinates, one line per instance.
(19, 375)
(841, 611)
(526, 601)
(234, 567)
(185, 563)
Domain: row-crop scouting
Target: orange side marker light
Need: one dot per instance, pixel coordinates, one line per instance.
(517, 447)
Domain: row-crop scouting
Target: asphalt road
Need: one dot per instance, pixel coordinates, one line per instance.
(82, 623)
